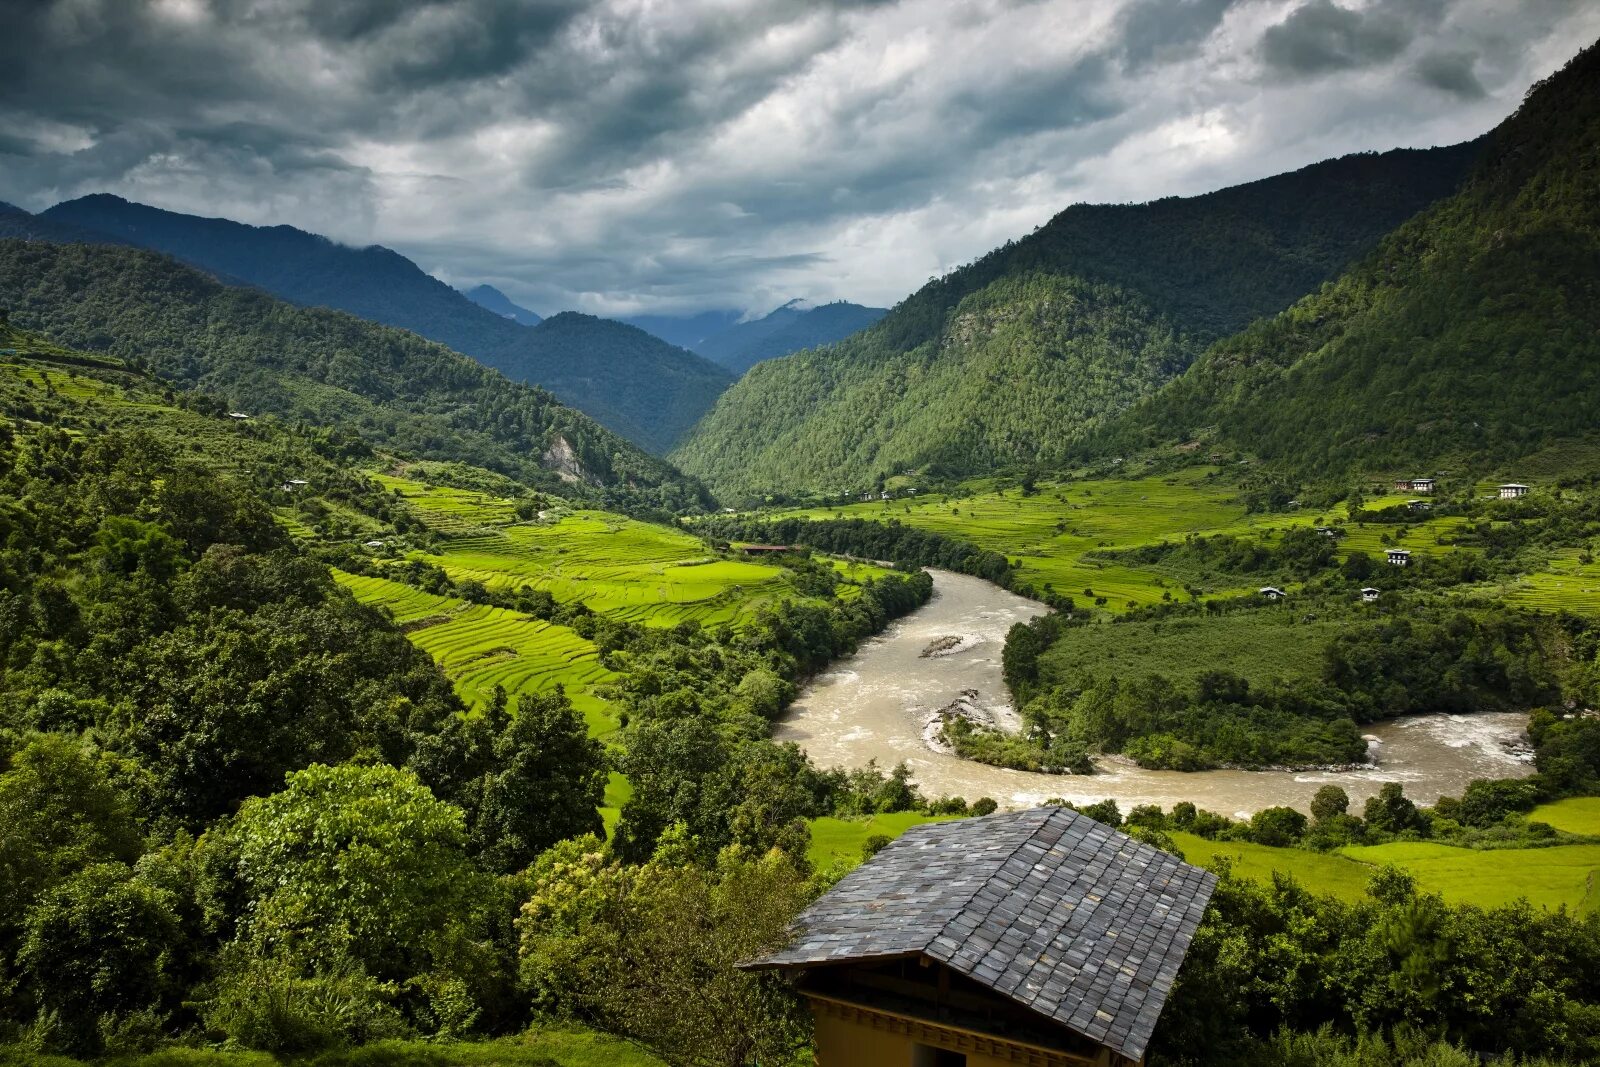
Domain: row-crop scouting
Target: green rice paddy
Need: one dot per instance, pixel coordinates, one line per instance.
(1574, 815)
(1550, 878)
(480, 648)
(1061, 533)
(641, 572)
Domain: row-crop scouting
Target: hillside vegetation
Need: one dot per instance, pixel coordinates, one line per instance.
(324, 367)
(636, 385)
(1013, 359)
(1470, 336)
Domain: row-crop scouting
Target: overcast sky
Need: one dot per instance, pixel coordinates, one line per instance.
(678, 155)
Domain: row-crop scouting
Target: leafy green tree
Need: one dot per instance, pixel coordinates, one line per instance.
(545, 784)
(59, 813)
(366, 854)
(99, 945)
(1277, 826)
(650, 951)
(1329, 802)
(1391, 812)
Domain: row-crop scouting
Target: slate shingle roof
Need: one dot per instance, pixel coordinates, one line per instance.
(1052, 909)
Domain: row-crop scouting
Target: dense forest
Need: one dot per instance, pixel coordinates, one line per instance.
(1468, 337)
(648, 391)
(1012, 359)
(323, 367)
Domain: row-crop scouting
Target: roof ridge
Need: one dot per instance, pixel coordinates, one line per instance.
(1049, 813)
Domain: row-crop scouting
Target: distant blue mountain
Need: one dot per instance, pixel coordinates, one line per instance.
(686, 331)
(488, 296)
(791, 328)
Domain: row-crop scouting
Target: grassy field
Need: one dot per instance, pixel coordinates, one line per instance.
(1548, 877)
(1057, 532)
(1574, 815)
(1273, 642)
(840, 840)
(1321, 872)
(1563, 875)
(481, 647)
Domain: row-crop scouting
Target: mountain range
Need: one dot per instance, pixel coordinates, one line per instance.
(325, 368)
(1016, 359)
(738, 343)
(644, 389)
(1469, 337)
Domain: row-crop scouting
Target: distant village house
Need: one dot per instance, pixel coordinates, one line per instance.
(1512, 490)
(1414, 485)
(1272, 592)
(1369, 595)
(1399, 557)
(1038, 937)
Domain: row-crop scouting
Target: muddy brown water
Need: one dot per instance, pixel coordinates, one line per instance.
(875, 706)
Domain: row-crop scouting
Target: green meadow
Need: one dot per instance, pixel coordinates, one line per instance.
(1272, 642)
(1550, 878)
(1574, 815)
(840, 840)
(1062, 534)
(640, 572)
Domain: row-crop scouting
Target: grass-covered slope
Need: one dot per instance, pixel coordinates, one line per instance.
(644, 389)
(324, 367)
(1470, 336)
(1011, 360)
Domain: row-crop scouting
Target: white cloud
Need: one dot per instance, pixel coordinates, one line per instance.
(639, 155)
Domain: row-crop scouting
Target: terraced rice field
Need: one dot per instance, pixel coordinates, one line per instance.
(1565, 584)
(447, 509)
(641, 572)
(481, 647)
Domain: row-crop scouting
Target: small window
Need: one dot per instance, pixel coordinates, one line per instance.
(929, 1056)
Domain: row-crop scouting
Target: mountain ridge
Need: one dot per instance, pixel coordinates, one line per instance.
(330, 368)
(649, 392)
(1471, 333)
(1031, 348)
(791, 328)
(487, 296)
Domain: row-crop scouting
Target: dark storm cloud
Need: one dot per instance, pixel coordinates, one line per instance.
(648, 155)
(1452, 72)
(1320, 37)
(1153, 30)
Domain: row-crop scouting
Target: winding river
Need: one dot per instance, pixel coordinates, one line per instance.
(875, 705)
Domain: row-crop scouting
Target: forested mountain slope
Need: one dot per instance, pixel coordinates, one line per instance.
(1012, 359)
(790, 328)
(325, 367)
(640, 387)
(1471, 334)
